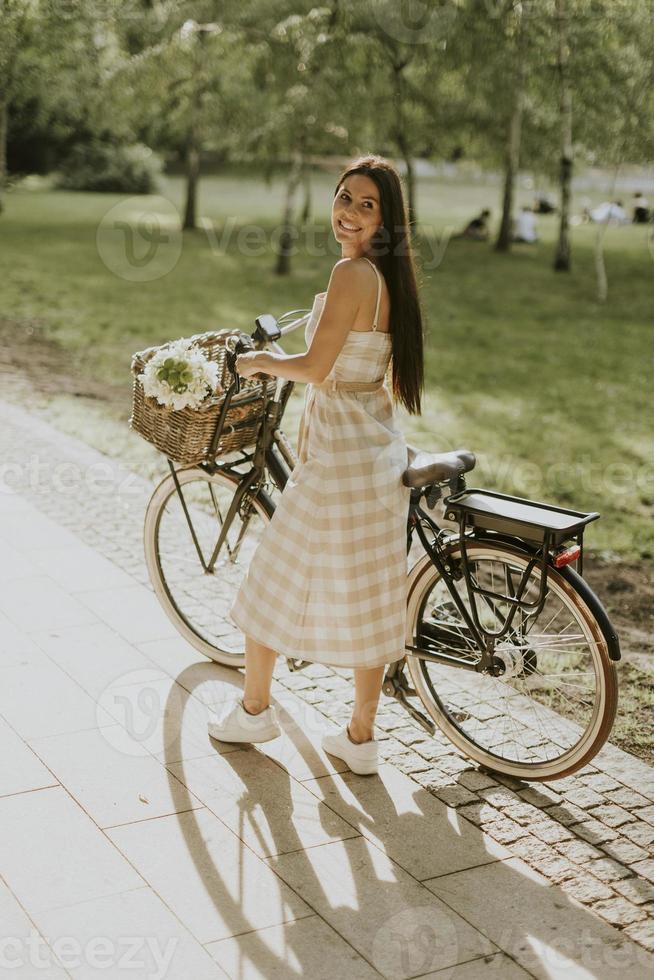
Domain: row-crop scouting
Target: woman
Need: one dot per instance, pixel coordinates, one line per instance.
(327, 582)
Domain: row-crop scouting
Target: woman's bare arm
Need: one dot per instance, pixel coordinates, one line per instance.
(345, 292)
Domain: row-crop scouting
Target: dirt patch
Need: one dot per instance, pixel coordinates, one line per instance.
(626, 590)
(31, 362)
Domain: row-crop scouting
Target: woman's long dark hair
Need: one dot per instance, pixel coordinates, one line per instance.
(391, 247)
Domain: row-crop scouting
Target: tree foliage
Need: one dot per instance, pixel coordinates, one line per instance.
(291, 80)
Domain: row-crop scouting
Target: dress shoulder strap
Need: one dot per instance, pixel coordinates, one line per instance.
(379, 286)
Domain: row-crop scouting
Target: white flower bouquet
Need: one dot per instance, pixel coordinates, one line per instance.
(180, 376)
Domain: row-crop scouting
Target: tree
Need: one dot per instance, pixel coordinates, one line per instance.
(54, 57)
(184, 88)
(298, 89)
(19, 21)
(14, 25)
(562, 256)
(501, 65)
(297, 70)
(201, 89)
(517, 37)
(611, 75)
(406, 77)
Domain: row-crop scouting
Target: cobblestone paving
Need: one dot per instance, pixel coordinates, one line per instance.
(591, 833)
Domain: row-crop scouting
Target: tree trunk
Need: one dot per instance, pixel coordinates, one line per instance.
(306, 207)
(598, 247)
(4, 112)
(505, 234)
(562, 255)
(410, 178)
(512, 158)
(283, 263)
(403, 142)
(600, 267)
(192, 176)
(411, 190)
(195, 131)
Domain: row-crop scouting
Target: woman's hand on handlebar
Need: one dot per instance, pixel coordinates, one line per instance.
(248, 364)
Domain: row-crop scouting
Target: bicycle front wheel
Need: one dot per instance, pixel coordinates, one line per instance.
(179, 541)
(552, 707)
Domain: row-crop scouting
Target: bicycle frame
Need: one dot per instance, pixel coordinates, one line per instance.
(274, 455)
(484, 638)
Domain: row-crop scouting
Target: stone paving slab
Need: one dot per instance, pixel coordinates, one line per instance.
(120, 815)
(547, 935)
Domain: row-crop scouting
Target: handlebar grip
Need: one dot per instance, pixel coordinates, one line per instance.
(242, 344)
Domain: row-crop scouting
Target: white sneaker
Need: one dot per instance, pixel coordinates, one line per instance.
(361, 757)
(238, 725)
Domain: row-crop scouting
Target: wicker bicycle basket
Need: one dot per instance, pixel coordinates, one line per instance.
(185, 435)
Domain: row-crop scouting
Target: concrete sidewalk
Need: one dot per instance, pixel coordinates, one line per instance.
(132, 845)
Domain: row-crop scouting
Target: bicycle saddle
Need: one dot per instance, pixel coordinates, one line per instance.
(424, 468)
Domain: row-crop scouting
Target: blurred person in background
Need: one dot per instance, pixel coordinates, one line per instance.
(477, 228)
(610, 211)
(526, 229)
(641, 209)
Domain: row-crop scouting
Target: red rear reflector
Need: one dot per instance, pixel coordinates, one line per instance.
(564, 557)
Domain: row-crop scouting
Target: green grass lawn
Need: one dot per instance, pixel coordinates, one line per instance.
(549, 387)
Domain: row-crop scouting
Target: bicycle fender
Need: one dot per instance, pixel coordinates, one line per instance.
(597, 609)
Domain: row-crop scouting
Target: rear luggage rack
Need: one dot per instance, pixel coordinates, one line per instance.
(526, 519)
(542, 526)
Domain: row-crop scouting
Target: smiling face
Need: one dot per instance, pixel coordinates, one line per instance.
(356, 214)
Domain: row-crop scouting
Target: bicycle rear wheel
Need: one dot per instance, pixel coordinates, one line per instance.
(552, 708)
(197, 601)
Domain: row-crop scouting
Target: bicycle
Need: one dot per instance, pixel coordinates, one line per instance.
(509, 652)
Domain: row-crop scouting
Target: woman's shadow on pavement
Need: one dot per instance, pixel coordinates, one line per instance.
(408, 883)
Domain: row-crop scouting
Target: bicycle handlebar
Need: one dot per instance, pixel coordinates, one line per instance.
(242, 344)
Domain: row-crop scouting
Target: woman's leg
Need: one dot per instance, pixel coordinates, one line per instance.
(259, 666)
(367, 688)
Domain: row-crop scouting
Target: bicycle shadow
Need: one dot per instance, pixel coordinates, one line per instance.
(377, 880)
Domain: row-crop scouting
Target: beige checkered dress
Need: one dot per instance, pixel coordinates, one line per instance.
(327, 582)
